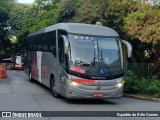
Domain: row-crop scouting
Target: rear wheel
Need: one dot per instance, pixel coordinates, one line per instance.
(53, 88)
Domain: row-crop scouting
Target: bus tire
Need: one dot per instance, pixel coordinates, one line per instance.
(53, 88)
(30, 76)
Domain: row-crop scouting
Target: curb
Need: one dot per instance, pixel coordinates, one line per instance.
(141, 97)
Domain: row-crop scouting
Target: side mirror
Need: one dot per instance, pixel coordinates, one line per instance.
(66, 44)
(129, 48)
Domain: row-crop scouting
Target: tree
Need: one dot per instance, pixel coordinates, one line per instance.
(4, 16)
(40, 15)
(144, 26)
(67, 10)
(89, 12)
(3, 11)
(17, 15)
(109, 12)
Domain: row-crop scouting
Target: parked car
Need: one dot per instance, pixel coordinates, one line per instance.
(8, 63)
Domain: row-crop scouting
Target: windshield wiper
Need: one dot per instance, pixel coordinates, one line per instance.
(83, 63)
(102, 59)
(94, 58)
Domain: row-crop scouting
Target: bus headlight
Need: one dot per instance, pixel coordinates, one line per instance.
(75, 83)
(120, 84)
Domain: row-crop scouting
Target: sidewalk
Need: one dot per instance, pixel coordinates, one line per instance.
(142, 97)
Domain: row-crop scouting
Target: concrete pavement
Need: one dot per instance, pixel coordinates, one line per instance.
(18, 94)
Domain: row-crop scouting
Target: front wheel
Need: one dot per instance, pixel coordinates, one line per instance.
(53, 88)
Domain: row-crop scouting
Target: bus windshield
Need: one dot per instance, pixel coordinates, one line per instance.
(94, 57)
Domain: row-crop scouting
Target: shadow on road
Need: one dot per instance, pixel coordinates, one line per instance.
(88, 101)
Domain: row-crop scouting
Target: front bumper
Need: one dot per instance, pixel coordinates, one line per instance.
(89, 91)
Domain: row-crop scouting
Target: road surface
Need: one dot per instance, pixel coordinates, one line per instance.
(18, 94)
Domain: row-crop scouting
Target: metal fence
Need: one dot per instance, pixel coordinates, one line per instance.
(142, 78)
(146, 70)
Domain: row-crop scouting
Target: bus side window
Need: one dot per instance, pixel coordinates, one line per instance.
(52, 42)
(35, 42)
(45, 48)
(39, 47)
(53, 49)
(27, 45)
(40, 42)
(31, 43)
(44, 42)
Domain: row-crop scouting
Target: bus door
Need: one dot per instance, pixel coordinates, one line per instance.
(63, 66)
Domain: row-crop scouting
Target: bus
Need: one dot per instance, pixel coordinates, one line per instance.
(77, 60)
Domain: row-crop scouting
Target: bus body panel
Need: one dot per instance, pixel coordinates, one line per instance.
(42, 70)
(85, 93)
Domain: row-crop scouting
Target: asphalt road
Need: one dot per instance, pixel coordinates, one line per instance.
(18, 94)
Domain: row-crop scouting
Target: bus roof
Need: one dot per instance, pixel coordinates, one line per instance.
(79, 28)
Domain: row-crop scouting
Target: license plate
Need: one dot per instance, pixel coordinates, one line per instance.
(98, 95)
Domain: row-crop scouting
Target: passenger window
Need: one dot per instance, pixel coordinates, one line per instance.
(52, 42)
(53, 50)
(45, 48)
(39, 47)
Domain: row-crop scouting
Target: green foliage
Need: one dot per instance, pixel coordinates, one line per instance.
(117, 10)
(17, 15)
(39, 16)
(4, 16)
(154, 87)
(135, 84)
(4, 10)
(36, 17)
(67, 10)
(88, 12)
(144, 24)
(131, 82)
(109, 12)
(142, 85)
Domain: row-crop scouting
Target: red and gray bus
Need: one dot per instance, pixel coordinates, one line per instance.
(77, 60)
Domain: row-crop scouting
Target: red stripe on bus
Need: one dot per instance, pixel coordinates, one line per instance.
(32, 66)
(83, 81)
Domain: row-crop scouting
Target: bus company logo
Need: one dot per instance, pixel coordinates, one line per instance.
(6, 114)
(98, 87)
(21, 114)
